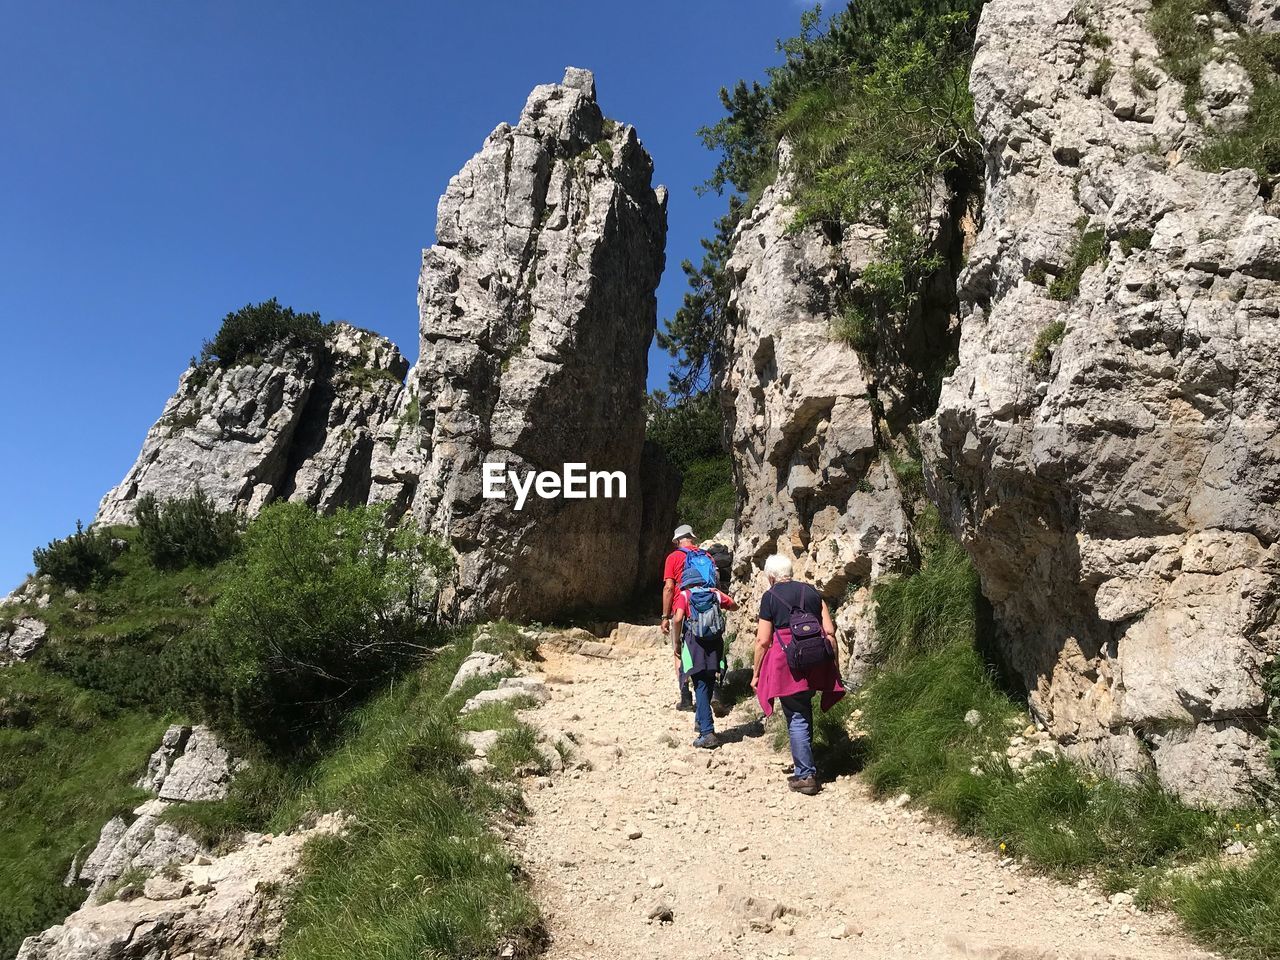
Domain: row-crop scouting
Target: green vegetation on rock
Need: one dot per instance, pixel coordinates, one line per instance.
(1088, 249)
(1185, 34)
(256, 328)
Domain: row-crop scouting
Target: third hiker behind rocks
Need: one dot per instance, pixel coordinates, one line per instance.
(795, 656)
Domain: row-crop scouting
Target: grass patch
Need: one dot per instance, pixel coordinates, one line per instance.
(497, 716)
(505, 637)
(1233, 908)
(68, 761)
(1085, 252)
(419, 874)
(516, 751)
(1046, 340)
(78, 721)
(852, 326)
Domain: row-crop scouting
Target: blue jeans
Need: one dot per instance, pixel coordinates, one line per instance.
(798, 711)
(703, 685)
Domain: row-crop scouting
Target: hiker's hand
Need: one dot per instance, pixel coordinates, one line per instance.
(666, 624)
(755, 680)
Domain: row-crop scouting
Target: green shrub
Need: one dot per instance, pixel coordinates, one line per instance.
(77, 561)
(315, 612)
(688, 429)
(854, 327)
(256, 328)
(1132, 240)
(185, 531)
(1085, 252)
(1045, 341)
(708, 496)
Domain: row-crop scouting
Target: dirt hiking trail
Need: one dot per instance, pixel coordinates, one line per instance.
(749, 869)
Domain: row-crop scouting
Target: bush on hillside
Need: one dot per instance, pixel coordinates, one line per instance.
(254, 329)
(185, 531)
(78, 561)
(315, 612)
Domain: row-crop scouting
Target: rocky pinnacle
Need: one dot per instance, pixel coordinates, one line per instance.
(537, 308)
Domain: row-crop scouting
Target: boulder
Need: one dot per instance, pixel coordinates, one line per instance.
(537, 307)
(21, 639)
(479, 665)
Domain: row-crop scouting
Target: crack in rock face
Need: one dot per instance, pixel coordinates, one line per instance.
(1119, 498)
(537, 309)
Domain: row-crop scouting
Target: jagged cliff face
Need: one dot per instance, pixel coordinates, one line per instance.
(812, 482)
(1119, 500)
(537, 307)
(299, 425)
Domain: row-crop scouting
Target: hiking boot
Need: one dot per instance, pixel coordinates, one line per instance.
(806, 785)
(685, 703)
(708, 741)
(718, 706)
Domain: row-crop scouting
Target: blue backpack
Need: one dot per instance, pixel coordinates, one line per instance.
(699, 569)
(705, 620)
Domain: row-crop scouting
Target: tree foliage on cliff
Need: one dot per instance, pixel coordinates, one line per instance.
(875, 104)
(256, 328)
(690, 431)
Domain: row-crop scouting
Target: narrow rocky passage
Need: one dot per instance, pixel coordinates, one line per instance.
(748, 869)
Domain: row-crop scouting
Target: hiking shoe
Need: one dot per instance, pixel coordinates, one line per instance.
(719, 707)
(685, 705)
(806, 785)
(708, 741)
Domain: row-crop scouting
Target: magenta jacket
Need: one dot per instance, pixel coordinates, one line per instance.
(776, 679)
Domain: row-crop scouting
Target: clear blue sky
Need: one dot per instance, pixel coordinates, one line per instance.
(165, 162)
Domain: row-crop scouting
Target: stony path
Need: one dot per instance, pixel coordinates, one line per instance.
(749, 869)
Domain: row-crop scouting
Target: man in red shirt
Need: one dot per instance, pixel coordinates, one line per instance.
(671, 571)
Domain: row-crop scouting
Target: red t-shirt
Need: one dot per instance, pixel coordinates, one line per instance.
(682, 604)
(674, 566)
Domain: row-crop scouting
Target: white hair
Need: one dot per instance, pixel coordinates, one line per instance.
(778, 567)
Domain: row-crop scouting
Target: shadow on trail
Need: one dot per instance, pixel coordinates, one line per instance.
(741, 731)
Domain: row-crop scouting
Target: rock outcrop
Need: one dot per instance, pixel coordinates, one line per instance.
(228, 907)
(801, 408)
(299, 425)
(1117, 490)
(21, 638)
(189, 765)
(537, 307)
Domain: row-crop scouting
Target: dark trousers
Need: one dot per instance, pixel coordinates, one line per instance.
(704, 685)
